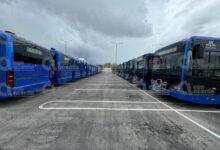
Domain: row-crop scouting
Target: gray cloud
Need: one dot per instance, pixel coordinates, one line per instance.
(203, 18)
(7, 1)
(124, 18)
(90, 27)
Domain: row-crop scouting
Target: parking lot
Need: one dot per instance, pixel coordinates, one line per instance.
(106, 112)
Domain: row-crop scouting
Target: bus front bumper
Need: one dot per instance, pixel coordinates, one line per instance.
(195, 98)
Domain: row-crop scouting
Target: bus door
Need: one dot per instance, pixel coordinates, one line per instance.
(53, 66)
(66, 67)
(148, 71)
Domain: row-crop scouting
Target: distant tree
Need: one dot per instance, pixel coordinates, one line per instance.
(108, 65)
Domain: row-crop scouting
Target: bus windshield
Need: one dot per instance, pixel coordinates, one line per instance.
(214, 63)
(209, 65)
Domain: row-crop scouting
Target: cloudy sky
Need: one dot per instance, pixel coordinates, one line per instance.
(92, 27)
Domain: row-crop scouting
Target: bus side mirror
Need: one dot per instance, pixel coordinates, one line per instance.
(198, 52)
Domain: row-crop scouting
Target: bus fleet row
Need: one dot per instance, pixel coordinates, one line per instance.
(188, 70)
(26, 67)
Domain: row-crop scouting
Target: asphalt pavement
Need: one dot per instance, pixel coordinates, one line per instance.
(105, 112)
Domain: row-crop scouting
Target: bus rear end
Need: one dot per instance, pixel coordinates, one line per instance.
(63, 68)
(26, 67)
(6, 70)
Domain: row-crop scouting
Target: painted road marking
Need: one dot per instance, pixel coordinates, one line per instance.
(105, 101)
(103, 89)
(181, 114)
(117, 82)
(104, 84)
(102, 108)
(119, 109)
(86, 101)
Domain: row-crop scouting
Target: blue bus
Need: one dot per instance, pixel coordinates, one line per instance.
(130, 70)
(89, 70)
(24, 66)
(125, 70)
(61, 67)
(83, 68)
(143, 70)
(76, 68)
(119, 70)
(99, 69)
(189, 70)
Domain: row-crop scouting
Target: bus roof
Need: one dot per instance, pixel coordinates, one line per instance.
(148, 54)
(190, 38)
(205, 38)
(27, 42)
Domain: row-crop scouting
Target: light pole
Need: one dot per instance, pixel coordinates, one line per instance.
(65, 44)
(116, 51)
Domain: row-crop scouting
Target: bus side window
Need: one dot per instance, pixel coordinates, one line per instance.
(27, 53)
(19, 49)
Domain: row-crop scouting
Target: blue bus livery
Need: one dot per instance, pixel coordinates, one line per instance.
(76, 69)
(189, 70)
(143, 70)
(61, 66)
(24, 66)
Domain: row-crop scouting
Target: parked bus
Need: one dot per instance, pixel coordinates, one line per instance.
(189, 70)
(24, 66)
(120, 70)
(131, 68)
(83, 68)
(125, 72)
(143, 70)
(76, 69)
(99, 69)
(63, 68)
(91, 70)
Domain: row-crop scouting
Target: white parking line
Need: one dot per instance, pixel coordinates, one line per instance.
(116, 82)
(122, 102)
(92, 101)
(103, 89)
(102, 108)
(198, 111)
(103, 84)
(98, 80)
(122, 109)
(86, 101)
(181, 114)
